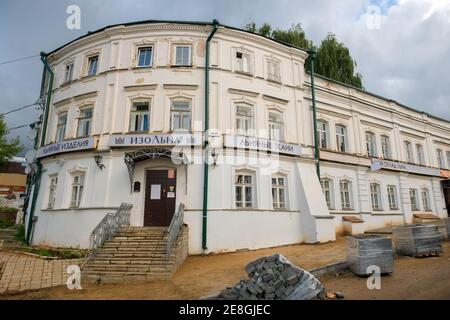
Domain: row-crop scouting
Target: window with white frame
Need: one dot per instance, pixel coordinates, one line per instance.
(77, 189)
(84, 122)
(244, 189)
(61, 127)
(371, 144)
(279, 192)
(276, 126)
(440, 158)
(145, 56)
(139, 116)
(327, 189)
(346, 197)
(183, 55)
(273, 70)
(448, 159)
(420, 154)
(92, 65)
(68, 72)
(413, 198)
(180, 115)
(408, 152)
(341, 138)
(392, 197)
(53, 182)
(243, 62)
(244, 119)
(322, 131)
(386, 147)
(375, 196)
(426, 200)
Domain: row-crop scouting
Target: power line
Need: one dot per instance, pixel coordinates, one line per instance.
(22, 126)
(19, 59)
(20, 108)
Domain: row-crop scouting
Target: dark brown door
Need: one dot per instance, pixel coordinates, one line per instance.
(160, 195)
(447, 199)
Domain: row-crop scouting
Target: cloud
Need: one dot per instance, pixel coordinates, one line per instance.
(407, 59)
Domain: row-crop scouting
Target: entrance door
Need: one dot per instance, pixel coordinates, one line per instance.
(159, 197)
(447, 199)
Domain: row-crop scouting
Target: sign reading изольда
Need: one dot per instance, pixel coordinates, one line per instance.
(175, 139)
(66, 146)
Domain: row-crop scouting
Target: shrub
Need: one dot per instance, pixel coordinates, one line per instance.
(20, 233)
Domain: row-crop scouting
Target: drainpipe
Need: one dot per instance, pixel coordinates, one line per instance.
(215, 23)
(37, 177)
(312, 57)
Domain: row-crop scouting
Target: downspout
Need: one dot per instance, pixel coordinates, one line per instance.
(312, 57)
(37, 177)
(215, 23)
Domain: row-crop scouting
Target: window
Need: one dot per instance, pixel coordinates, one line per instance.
(61, 127)
(392, 197)
(408, 152)
(276, 127)
(420, 155)
(244, 190)
(375, 195)
(273, 70)
(183, 55)
(145, 56)
(68, 73)
(413, 199)
(426, 200)
(139, 117)
(322, 128)
(243, 62)
(341, 138)
(52, 192)
(77, 190)
(180, 115)
(327, 191)
(92, 65)
(244, 119)
(345, 191)
(279, 192)
(440, 158)
(84, 123)
(371, 144)
(386, 147)
(448, 159)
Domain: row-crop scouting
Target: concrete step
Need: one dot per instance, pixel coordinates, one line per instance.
(134, 261)
(120, 277)
(153, 243)
(127, 268)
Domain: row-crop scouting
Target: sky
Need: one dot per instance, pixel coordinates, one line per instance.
(401, 47)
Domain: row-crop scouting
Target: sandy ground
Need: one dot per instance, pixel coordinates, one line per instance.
(202, 276)
(413, 278)
(199, 276)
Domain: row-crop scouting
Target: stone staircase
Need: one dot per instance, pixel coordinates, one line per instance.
(8, 238)
(137, 254)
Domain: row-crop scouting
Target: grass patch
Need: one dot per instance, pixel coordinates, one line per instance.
(20, 233)
(5, 223)
(63, 253)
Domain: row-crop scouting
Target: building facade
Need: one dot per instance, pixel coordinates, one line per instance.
(126, 124)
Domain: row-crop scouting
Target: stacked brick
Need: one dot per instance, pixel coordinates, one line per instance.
(417, 240)
(274, 278)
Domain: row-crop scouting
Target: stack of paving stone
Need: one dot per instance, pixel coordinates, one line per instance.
(274, 278)
(417, 240)
(368, 250)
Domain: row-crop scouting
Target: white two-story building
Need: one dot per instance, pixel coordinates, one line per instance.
(127, 124)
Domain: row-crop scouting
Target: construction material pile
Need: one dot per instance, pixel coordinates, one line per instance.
(364, 251)
(274, 278)
(417, 240)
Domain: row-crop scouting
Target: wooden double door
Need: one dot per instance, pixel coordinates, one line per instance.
(160, 197)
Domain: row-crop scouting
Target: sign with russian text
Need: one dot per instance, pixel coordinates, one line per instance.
(66, 146)
(252, 143)
(126, 140)
(406, 167)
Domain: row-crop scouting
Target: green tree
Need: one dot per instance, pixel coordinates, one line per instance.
(7, 149)
(333, 60)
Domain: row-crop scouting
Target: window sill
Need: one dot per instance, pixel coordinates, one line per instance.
(89, 77)
(249, 74)
(181, 66)
(274, 81)
(66, 84)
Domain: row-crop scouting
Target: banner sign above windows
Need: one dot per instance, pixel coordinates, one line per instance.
(405, 167)
(252, 143)
(66, 146)
(126, 140)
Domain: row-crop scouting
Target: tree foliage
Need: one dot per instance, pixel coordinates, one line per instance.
(333, 59)
(7, 149)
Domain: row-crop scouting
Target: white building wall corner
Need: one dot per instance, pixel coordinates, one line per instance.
(438, 198)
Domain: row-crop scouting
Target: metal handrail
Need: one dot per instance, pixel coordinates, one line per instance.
(109, 226)
(174, 229)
